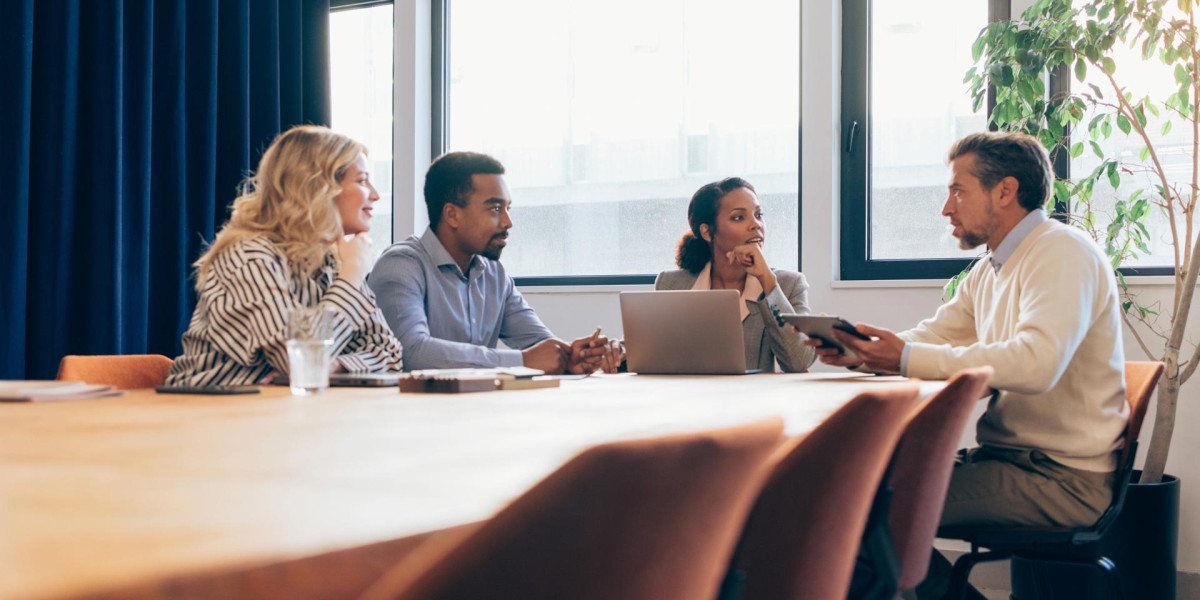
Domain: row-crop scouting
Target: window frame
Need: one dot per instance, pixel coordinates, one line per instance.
(339, 5)
(855, 144)
(855, 262)
(441, 31)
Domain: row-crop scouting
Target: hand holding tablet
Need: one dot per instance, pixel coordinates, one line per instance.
(821, 327)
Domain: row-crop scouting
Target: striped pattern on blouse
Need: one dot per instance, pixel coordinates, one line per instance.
(238, 333)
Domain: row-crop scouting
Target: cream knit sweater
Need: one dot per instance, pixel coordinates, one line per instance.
(1049, 323)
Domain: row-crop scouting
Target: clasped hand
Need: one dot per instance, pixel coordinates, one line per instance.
(584, 355)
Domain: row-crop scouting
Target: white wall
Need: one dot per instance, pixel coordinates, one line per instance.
(576, 311)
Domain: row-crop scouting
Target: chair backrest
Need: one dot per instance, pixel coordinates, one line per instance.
(1140, 381)
(803, 533)
(921, 467)
(646, 519)
(126, 372)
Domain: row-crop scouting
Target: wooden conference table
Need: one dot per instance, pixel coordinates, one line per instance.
(101, 494)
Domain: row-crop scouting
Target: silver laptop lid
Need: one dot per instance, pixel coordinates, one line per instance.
(683, 332)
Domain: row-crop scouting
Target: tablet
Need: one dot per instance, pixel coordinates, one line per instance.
(821, 327)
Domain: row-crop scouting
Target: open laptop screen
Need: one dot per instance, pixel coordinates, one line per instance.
(683, 332)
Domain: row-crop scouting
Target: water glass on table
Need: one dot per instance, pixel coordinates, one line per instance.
(310, 348)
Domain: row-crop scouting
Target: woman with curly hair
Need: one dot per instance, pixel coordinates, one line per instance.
(723, 251)
(296, 238)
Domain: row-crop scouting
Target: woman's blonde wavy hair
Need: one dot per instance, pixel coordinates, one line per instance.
(289, 199)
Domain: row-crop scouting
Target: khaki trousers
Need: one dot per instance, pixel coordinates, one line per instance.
(1002, 486)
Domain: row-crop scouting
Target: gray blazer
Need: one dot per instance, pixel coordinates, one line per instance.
(764, 341)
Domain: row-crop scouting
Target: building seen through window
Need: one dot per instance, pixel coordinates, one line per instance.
(919, 107)
(608, 116)
(360, 58)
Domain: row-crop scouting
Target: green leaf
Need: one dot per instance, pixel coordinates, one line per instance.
(1166, 128)
(1110, 65)
(1181, 75)
(1106, 127)
(1026, 90)
(1080, 70)
(977, 47)
(1076, 150)
(1054, 125)
(1148, 47)
(1145, 153)
(1061, 194)
(1114, 178)
(1096, 149)
(1123, 124)
(1139, 210)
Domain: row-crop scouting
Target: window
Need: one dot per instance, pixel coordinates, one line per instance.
(608, 116)
(903, 105)
(360, 58)
(1145, 77)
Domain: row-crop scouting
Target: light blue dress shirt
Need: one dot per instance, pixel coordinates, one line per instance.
(1004, 251)
(447, 319)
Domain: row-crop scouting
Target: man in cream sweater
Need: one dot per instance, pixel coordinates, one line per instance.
(1043, 310)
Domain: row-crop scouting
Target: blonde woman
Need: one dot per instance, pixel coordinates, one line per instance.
(297, 237)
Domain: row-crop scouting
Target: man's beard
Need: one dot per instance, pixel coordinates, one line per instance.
(493, 250)
(972, 239)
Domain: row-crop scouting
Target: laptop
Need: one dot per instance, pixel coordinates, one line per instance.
(685, 332)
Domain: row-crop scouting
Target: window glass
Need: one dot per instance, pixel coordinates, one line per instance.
(919, 106)
(609, 115)
(1141, 77)
(360, 59)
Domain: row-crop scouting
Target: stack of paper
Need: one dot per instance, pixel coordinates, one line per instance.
(43, 391)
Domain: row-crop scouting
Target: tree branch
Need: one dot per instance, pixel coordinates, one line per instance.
(1126, 110)
(1191, 365)
(1137, 336)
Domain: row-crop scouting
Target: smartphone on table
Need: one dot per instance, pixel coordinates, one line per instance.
(208, 389)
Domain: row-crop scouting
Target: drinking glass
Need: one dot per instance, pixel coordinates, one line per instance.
(310, 348)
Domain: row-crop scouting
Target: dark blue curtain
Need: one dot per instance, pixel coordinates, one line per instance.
(125, 128)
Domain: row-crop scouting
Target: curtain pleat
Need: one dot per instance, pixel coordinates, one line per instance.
(129, 126)
(16, 72)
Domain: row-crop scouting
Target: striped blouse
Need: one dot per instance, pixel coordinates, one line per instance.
(238, 333)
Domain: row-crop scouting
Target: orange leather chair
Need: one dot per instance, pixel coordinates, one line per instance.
(802, 537)
(126, 372)
(1072, 545)
(652, 519)
(904, 519)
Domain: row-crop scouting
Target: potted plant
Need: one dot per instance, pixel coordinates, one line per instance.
(1056, 74)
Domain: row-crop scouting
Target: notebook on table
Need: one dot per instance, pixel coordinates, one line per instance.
(685, 332)
(52, 390)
